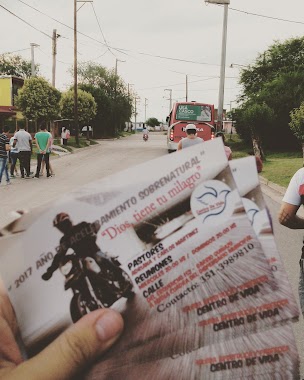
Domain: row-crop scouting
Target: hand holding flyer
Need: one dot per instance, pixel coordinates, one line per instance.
(168, 244)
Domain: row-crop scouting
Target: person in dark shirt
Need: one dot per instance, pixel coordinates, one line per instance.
(81, 238)
(4, 148)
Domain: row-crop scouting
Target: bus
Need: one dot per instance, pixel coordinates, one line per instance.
(183, 113)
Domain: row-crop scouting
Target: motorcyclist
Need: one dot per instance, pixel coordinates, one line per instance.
(82, 239)
(145, 132)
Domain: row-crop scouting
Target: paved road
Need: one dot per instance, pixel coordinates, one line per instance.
(77, 169)
(111, 156)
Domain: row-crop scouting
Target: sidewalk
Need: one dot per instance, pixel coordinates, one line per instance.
(280, 189)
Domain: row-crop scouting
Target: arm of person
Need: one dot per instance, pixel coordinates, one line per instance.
(292, 201)
(31, 144)
(288, 216)
(66, 356)
(55, 263)
(48, 145)
(37, 144)
(15, 142)
(179, 145)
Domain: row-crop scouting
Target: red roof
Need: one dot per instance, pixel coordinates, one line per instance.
(7, 111)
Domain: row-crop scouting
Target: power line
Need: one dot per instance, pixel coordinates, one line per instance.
(27, 23)
(120, 50)
(177, 84)
(15, 51)
(103, 36)
(265, 16)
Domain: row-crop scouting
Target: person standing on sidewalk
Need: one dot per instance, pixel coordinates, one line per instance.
(4, 149)
(228, 151)
(23, 142)
(292, 200)
(64, 136)
(13, 153)
(43, 142)
(43, 161)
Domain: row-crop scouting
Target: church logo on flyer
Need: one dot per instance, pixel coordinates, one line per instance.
(211, 202)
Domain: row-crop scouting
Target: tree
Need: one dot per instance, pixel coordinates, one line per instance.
(152, 122)
(15, 65)
(297, 125)
(256, 116)
(86, 106)
(114, 103)
(38, 100)
(276, 79)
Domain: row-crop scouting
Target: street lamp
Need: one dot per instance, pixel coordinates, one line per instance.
(236, 64)
(33, 70)
(117, 60)
(223, 61)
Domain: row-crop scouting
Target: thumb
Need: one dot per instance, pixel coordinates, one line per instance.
(75, 348)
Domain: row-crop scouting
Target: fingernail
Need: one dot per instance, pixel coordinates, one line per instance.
(109, 325)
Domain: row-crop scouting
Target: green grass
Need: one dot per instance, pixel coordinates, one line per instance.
(278, 167)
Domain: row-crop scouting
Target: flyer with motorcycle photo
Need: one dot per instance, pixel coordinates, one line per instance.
(273, 309)
(157, 242)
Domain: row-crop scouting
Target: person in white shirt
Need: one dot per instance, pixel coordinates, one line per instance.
(145, 132)
(14, 155)
(191, 139)
(292, 200)
(23, 142)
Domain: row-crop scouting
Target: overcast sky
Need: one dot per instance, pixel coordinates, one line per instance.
(141, 30)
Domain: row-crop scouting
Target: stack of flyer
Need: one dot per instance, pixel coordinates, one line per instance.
(182, 246)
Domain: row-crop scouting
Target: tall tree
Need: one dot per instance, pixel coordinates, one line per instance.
(276, 79)
(114, 104)
(257, 116)
(297, 125)
(86, 106)
(153, 122)
(16, 65)
(38, 100)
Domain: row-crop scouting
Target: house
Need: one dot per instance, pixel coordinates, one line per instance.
(9, 86)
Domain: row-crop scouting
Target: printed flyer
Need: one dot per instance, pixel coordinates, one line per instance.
(216, 324)
(268, 355)
(167, 243)
(150, 240)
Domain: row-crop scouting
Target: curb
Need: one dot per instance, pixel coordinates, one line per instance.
(280, 189)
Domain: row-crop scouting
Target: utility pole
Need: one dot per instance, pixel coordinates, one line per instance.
(54, 53)
(223, 62)
(75, 69)
(146, 104)
(129, 87)
(115, 96)
(135, 106)
(222, 76)
(75, 76)
(186, 87)
(170, 90)
(33, 69)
